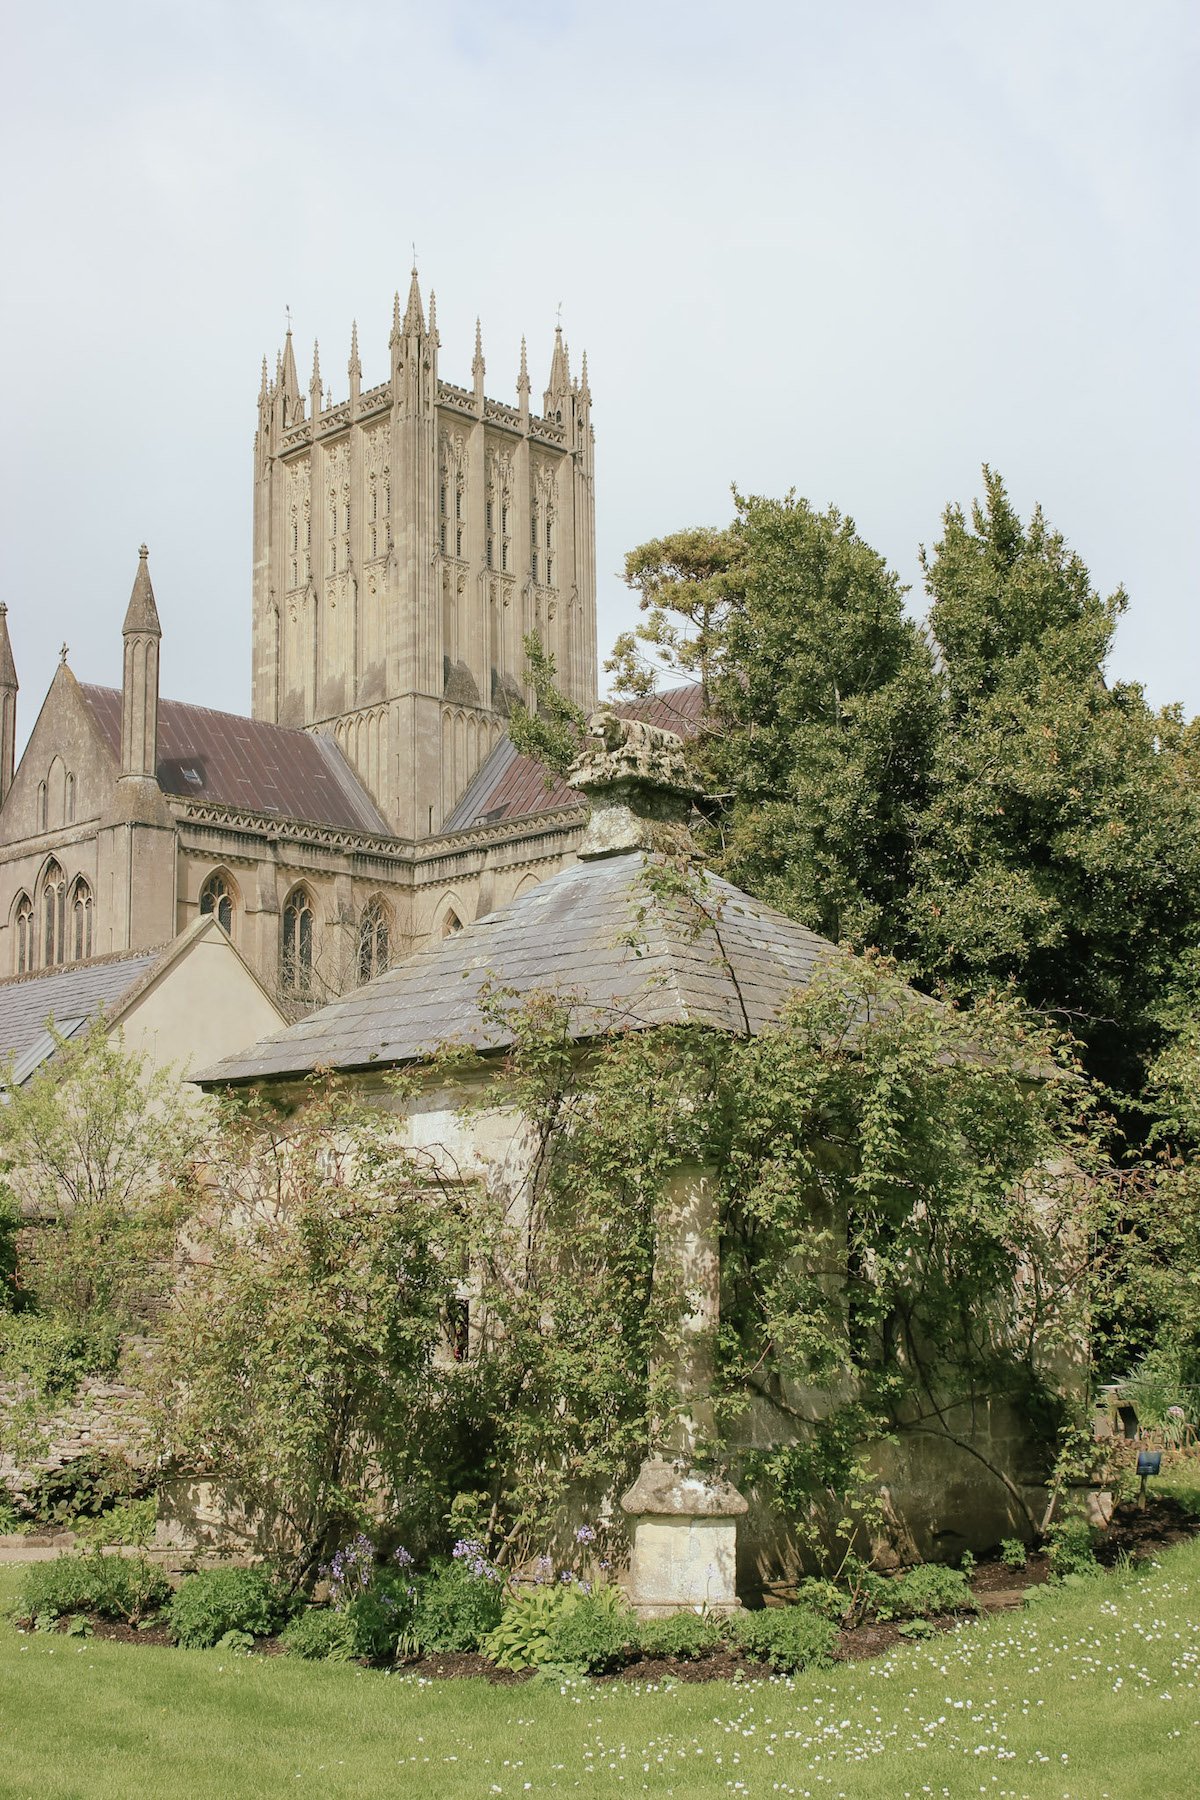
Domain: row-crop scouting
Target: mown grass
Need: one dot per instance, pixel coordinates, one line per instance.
(1094, 1694)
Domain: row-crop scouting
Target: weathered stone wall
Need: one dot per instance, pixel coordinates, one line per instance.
(103, 1417)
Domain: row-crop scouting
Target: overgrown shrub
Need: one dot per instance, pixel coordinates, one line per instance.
(457, 1604)
(685, 1636)
(379, 1618)
(924, 1592)
(319, 1634)
(524, 1637)
(787, 1637)
(1069, 1549)
(1013, 1553)
(824, 1597)
(595, 1631)
(116, 1587)
(217, 1601)
(86, 1487)
(129, 1522)
(53, 1354)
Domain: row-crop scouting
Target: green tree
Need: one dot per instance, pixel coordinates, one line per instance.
(1060, 846)
(820, 706)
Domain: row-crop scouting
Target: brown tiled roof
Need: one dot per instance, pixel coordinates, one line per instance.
(248, 764)
(509, 786)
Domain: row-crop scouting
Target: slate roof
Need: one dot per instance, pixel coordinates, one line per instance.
(596, 932)
(248, 764)
(509, 786)
(70, 996)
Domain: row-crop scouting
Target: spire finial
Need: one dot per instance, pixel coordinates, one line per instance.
(142, 614)
(414, 318)
(315, 378)
(63, 653)
(288, 311)
(396, 315)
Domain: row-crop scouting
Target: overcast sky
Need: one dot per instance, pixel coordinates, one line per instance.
(855, 249)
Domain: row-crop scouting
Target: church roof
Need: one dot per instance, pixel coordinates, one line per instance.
(629, 954)
(248, 764)
(508, 785)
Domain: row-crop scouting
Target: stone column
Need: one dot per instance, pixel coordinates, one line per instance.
(685, 1519)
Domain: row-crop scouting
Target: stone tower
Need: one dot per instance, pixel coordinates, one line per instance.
(406, 540)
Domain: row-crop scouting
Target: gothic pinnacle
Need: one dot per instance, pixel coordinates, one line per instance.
(395, 318)
(433, 331)
(354, 367)
(141, 618)
(414, 318)
(264, 390)
(523, 377)
(315, 378)
(8, 668)
(478, 367)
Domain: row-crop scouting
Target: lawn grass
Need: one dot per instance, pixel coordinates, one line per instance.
(1095, 1693)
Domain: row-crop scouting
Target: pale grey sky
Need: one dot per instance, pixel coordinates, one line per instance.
(854, 249)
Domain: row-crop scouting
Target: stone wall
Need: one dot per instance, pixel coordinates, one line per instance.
(103, 1417)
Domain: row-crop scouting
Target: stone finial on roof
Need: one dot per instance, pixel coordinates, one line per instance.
(141, 616)
(637, 780)
(8, 667)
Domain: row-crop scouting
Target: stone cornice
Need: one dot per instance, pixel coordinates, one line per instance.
(392, 849)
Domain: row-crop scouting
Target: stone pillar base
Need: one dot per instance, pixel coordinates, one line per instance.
(684, 1541)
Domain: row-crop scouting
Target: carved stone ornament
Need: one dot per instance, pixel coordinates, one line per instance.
(638, 782)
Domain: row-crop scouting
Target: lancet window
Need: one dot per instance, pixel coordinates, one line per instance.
(374, 941)
(216, 897)
(297, 950)
(54, 916)
(23, 928)
(81, 921)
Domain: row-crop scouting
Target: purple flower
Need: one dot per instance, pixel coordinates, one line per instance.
(585, 1535)
(567, 1575)
(403, 1557)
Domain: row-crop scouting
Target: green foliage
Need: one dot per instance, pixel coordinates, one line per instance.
(319, 1634)
(790, 1638)
(821, 701)
(378, 1618)
(128, 1522)
(685, 1637)
(824, 1597)
(53, 1354)
(925, 1592)
(127, 1588)
(298, 1354)
(455, 1609)
(216, 1601)
(1070, 1549)
(1161, 1393)
(553, 730)
(1013, 1553)
(1063, 825)
(83, 1489)
(524, 1637)
(596, 1632)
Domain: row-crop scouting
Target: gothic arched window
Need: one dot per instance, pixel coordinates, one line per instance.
(54, 915)
(81, 921)
(43, 802)
(69, 807)
(216, 897)
(23, 927)
(297, 952)
(451, 924)
(374, 941)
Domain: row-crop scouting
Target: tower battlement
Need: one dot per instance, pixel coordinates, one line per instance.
(406, 540)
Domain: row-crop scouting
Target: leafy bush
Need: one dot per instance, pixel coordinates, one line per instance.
(1013, 1553)
(1161, 1393)
(524, 1638)
(593, 1631)
(319, 1634)
(788, 1637)
(1069, 1549)
(379, 1618)
(129, 1522)
(925, 1591)
(456, 1606)
(686, 1636)
(84, 1488)
(117, 1587)
(824, 1597)
(217, 1601)
(53, 1355)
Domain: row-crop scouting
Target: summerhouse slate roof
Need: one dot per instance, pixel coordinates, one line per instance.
(626, 956)
(248, 764)
(71, 997)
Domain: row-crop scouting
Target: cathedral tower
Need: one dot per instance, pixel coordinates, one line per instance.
(406, 540)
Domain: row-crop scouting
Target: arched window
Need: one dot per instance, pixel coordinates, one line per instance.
(69, 806)
(23, 926)
(216, 897)
(43, 806)
(297, 957)
(451, 923)
(54, 915)
(81, 921)
(374, 941)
